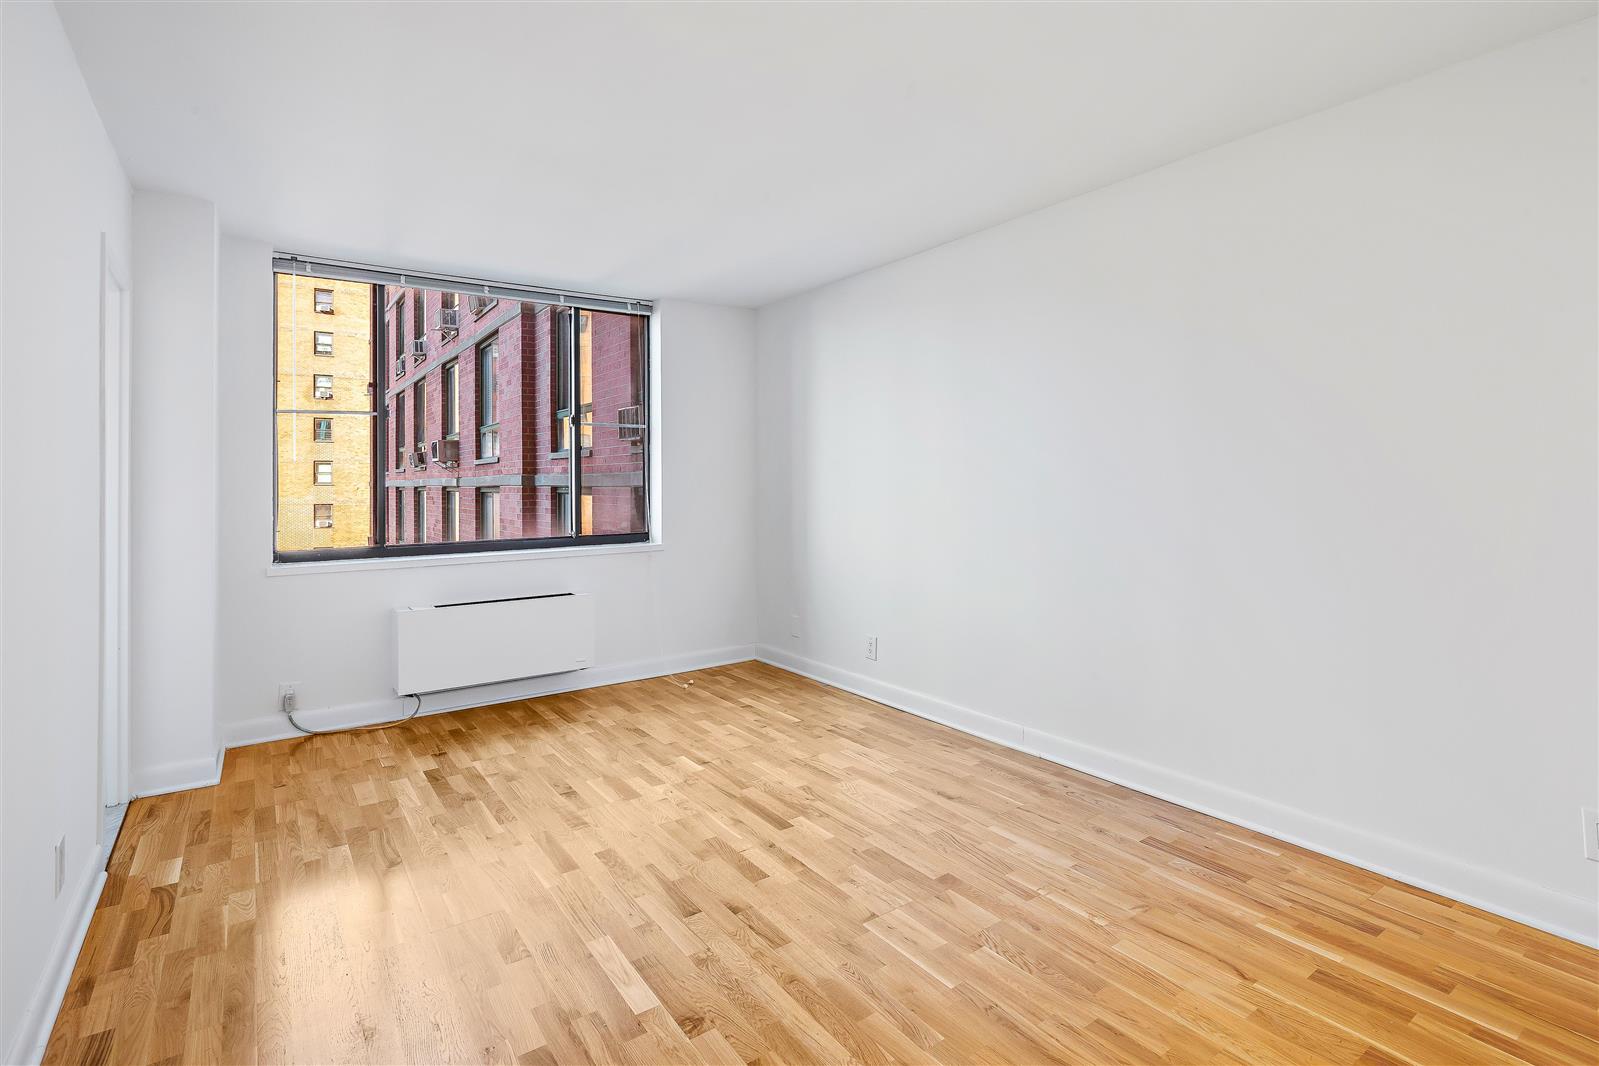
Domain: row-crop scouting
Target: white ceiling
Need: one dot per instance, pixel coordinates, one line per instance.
(729, 153)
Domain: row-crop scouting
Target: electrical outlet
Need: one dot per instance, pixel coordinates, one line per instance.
(288, 698)
(1590, 833)
(61, 865)
(793, 625)
(871, 648)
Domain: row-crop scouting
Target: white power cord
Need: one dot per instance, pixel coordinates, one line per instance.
(289, 707)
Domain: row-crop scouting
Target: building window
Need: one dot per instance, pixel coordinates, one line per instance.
(452, 400)
(585, 389)
(324, 342)
(324, 301)
(322, 516)
(488, 418)
(452, 514)
(551, 389)
(488, 514)
(419, 410)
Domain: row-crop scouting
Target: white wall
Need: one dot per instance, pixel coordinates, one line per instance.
(173, 489)
(690, 604)
(1265, 480)
(63, 189)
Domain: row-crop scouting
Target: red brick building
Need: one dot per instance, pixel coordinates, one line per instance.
(479, 426)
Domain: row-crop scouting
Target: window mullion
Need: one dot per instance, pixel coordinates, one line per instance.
(574, 390)
(380, 412)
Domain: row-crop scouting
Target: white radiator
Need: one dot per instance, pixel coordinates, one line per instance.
(457, 645)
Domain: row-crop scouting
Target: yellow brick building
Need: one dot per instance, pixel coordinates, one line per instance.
(324, 435)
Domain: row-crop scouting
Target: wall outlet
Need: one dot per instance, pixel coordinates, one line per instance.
(871, 648)
(288, 698)
(61, 865)
(1590, 833)
(793, 625)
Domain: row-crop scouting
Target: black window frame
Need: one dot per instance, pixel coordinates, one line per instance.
(565, 306)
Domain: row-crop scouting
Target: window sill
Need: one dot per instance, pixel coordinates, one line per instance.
(339, 566)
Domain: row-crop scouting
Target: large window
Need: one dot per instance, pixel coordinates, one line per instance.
(556, 447)
(488, 421)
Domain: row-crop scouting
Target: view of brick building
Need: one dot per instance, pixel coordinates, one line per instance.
(476, 417)
(324, 438)
(479, 425)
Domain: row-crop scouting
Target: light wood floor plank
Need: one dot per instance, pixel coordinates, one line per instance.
(739, 865)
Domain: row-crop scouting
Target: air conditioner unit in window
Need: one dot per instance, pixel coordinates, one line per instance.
(449, 319)
(324, 394)
(419, 458)
(418, 349)
(447, 452)
(324, 523)
(630, 423)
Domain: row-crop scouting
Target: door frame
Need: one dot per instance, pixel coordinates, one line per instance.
(116, 321)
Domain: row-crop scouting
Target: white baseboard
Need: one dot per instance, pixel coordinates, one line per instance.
(269, 727)
(177, 776)
(33, 1030)
(1511, 897)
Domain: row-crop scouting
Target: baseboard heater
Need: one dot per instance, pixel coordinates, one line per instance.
(459, 645)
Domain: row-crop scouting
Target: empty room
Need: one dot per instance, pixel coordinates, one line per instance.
(805, 532)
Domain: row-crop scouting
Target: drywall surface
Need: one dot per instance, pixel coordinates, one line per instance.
(63, 190)
(1265, 480)
(173, 512)
(689, 603)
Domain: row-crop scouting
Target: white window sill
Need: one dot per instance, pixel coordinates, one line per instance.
(407, 562)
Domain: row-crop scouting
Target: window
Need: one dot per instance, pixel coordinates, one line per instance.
(488, 419)
(552, 388)
(322, 516)
(324, 342)
(324, 301)
(488, 514)
(419, 411)
(585, 390)
(452, 400)
(395, 334)
(452, 514)
(397, 430)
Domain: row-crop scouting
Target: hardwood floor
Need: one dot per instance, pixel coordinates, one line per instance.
(753, 867)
